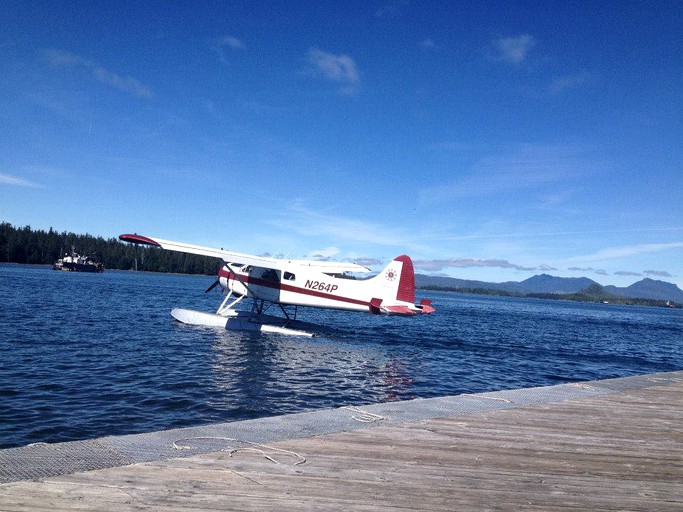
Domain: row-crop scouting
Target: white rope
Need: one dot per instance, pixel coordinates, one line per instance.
(256, 447)
(363, 416)
(582, 386)
(499, 398)
(667, 379)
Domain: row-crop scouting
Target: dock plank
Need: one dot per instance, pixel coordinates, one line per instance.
(618, 451)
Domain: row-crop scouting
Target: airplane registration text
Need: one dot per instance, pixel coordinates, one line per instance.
(320, 286)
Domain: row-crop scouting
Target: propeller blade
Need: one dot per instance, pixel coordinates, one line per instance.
(215, 283)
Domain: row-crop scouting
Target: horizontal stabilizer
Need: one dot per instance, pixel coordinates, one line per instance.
(398, 310)
(426, 306)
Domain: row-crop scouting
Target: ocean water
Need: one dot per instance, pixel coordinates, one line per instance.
(88, 355)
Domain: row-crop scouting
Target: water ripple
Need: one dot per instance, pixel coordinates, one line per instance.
(84, 355)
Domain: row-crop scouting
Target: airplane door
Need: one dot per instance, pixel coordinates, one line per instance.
(266, 283)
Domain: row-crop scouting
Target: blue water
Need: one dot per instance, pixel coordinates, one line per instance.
(87, 355)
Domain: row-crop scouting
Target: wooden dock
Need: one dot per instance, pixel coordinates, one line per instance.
(617, 450)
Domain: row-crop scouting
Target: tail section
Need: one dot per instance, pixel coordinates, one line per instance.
(395, 290)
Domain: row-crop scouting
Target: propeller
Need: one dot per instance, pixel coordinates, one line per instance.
(215, 283)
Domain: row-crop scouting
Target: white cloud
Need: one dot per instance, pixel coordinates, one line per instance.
(657, 273)
(232, 42)
(366, 261)
(523, 167)
(627, 273)
(564, 83)
(6, 179)
(340, 69)
(441, 264)
(224, 44)
(124, 83)
(626, 251)
(513, 50)
(427, 44)
(59, 58)
(391, 8)
(326, 253)
(339, 229)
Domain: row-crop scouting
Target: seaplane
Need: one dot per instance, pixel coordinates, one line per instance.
(290, 284)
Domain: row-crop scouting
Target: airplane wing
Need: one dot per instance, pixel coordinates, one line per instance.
(331, 267)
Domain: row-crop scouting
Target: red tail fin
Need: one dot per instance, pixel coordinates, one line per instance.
(406, 285)
(394, 290)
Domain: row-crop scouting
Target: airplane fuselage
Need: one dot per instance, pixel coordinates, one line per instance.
(388, 292)
(321, 284)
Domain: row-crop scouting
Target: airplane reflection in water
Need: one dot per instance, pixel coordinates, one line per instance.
(255, 375)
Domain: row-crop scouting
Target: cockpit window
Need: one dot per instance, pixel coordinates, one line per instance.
(270, 274)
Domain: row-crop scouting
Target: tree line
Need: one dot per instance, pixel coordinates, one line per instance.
(39, 247)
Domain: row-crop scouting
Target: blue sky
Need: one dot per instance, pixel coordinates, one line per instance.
(488, 140)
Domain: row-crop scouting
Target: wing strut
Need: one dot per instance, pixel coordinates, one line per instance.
(225, 308)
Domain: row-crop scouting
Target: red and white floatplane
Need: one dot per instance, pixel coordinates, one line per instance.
(289, 284)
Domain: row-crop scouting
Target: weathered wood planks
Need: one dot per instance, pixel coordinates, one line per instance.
(620, 451)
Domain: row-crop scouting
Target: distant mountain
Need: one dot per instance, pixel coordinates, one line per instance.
(649, 289)
(544, 283)
(422, 281)
(550, 284)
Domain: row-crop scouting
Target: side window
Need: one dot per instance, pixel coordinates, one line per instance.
(289, 276)
(270, 274)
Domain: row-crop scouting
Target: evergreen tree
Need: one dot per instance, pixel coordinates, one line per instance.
(25, 245)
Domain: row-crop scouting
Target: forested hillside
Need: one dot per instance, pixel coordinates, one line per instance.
(25, 245)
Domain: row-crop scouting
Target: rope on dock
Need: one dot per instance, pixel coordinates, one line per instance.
(363, 416)
(497, 398)
(255, 447)
(581, 385)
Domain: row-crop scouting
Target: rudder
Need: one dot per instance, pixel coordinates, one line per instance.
(399, 280)
(406, 285)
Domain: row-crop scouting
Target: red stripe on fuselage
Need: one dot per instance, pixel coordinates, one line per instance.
(294, 289)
